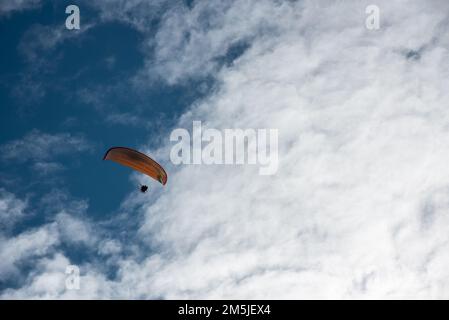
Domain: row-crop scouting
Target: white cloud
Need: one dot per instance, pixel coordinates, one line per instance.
(191, 40)
(109, 247)
(361, 136)
(359, 206)
(74, 230)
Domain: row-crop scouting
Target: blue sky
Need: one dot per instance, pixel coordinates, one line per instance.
(359, 205)
(75, 99)
(97, 63)
(66, 97)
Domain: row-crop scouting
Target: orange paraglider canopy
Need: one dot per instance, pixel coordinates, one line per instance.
(137, 161)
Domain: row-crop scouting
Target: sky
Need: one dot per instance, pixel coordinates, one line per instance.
(359, 205)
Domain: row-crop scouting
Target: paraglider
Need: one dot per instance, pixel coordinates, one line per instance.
(139, 162)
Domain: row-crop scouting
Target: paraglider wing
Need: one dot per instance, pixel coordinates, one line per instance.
(137, 161)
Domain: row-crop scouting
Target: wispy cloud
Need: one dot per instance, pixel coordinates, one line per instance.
(12, 210)
(66, 226)
(139, 14)
(39, 49)
(41, 40)
(10, 6)
(126, 119)
(47, 168)
(39, 146)
(192, 41)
